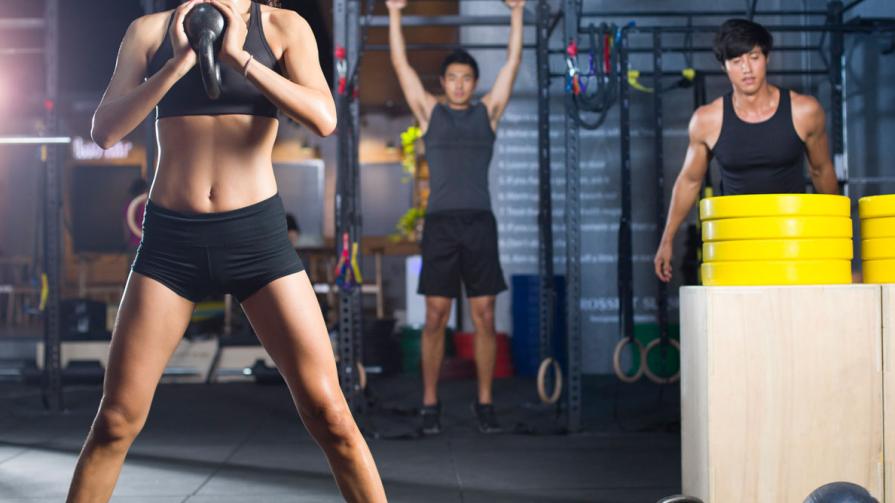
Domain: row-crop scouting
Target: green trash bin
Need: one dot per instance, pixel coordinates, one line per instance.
(663, 363)
(411, 350)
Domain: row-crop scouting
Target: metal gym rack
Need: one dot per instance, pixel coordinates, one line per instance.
(348, 23)
(50, 157)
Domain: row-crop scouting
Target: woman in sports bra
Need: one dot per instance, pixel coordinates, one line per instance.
(214, 224)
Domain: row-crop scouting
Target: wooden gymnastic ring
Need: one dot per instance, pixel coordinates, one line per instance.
(649, 373)
(132, 215)
(617, 360)
(549, 362)
(361, 375)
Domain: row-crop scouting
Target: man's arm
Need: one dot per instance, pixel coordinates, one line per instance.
(497, 99)
(686, 189)
(420, 102)
(809, 113)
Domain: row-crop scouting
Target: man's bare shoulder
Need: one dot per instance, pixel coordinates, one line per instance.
(805, 107)
(706, 120)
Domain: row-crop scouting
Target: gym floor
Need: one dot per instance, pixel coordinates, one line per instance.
(243, 442)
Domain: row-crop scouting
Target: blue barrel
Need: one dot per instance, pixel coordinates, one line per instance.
(526, 342)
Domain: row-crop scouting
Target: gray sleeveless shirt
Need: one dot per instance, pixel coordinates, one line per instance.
(459, 147)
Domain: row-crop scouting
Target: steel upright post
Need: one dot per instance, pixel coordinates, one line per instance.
(571, 8)
(53, 396)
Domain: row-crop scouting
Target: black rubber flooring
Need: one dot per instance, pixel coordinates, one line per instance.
(243, 442)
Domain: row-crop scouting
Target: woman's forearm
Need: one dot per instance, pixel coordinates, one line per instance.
(115, 119)
(311, 107)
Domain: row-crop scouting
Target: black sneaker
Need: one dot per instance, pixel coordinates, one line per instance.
(431, 416)
(486, 418)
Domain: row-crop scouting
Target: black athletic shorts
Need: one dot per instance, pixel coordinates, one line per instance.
(236, 252)
(461, 245)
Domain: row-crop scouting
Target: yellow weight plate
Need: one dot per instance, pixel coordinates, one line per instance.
(875, 228)
(781, 272)
(876, 249)
(777, 249)
(879, 271)
(877, 206)
(770, 205)
(776, 228)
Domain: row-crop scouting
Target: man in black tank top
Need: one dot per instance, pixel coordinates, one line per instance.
(758, 133)
(460, 237)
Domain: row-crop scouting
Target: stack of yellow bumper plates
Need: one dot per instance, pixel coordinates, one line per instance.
(776, 239)
(878, 238)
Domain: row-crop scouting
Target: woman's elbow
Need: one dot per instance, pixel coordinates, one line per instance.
(101, 137)
(327, 129)
(104, 140)
(326, 122)
(100, 133)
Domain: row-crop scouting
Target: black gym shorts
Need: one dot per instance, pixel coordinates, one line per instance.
(460, 245)
(237, 252)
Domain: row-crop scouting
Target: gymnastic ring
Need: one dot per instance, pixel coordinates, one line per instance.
(132, 215)
(361, 375)
(547, 363)
(617, 360)
(649, 373)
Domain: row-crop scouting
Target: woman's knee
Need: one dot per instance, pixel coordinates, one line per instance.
(115, 424)
(330, 421)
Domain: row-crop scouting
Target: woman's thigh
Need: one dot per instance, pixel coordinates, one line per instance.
(151, 322)
(287, 319)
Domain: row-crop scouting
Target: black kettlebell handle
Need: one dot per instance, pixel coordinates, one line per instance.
(204, 26)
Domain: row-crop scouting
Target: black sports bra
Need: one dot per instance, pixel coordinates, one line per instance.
(238, 95)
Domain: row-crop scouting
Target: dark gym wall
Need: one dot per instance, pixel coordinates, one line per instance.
(20, 200)
(89, 42)
(98, 200)
(514, 170)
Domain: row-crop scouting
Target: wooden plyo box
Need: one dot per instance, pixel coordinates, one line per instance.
(888, 305)
(781, 391)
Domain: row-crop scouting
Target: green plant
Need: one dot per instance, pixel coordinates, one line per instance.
(407, 224)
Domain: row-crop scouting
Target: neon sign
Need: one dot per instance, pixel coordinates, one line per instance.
(84, 150)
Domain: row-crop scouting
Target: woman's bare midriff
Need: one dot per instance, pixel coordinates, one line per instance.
(209, 164)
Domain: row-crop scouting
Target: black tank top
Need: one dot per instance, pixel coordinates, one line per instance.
(238, 95)
(760, 158)
(459, 147)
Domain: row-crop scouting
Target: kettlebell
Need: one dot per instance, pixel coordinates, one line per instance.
(204, 26)
(840, 492)
(679, 498)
